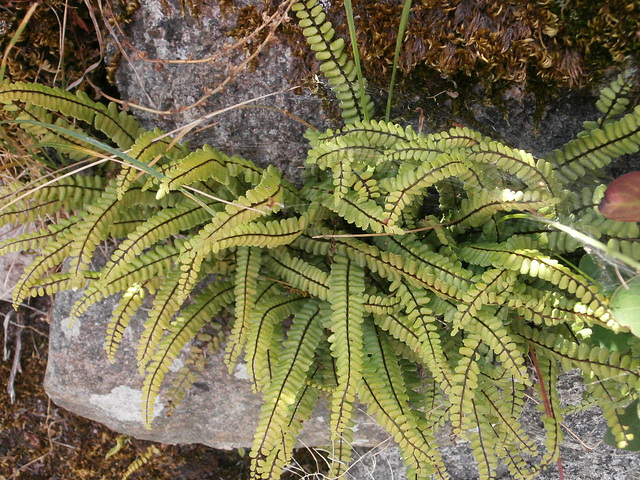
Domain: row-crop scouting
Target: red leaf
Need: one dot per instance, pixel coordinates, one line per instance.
(621, 201)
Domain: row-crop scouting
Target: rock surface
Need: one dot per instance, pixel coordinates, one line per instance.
(12, 264)
(262, 131)
(220, 410)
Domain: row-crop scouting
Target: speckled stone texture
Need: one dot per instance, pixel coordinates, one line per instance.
(11, 264)
(220, 410)
(259, 131)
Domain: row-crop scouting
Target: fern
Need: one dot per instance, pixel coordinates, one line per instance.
(356, 286)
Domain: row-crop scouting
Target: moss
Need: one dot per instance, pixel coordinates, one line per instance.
(554, 43)
(36, 57)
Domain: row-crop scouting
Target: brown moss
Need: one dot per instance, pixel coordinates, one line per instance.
(36, 57)
(497, 40)
(563, 43)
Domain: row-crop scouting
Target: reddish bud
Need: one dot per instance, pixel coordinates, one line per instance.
(621, 201)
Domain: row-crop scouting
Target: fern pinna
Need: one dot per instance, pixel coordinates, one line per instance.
(355, 286)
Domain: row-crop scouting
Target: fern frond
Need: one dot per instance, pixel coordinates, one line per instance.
(128, 305)
(367, 141)
(261, 347)
(57, 282)
(518, 163)
(147, 148)
(204, 164)
(70, 194)
(285, 387)
(489, 288)
(339, 71)
(421, 324)
(208, 303)
(165, 305)
(263, 199)
(625, 369)
(37, 239)
(413, 180)
(490, 329)
(481, 442)
(300, 274)
(346, 290)
(167, 222)
(367, 215)
(246, 281)
(156, 262)
(614, 99)
(52, 256)
(383, 390)
(516, 255)
(94, 226)
(263, 234)
(465, 383)
(117, 125)
(597, 147)
(302, 409)
(476, 210)
(140, 461)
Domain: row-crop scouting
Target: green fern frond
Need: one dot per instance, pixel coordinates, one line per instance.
(383, 390)
(208, 164)
(339, 71)
(57, 282)
(128, 305)
(614, 98)
(346, 290)
(94, 226)
(476, 210)
(117, 125)
(156, 262)
(248, 262)
(191, 319)
(262, 348)
(165, 305)
(140, 461)
(422, 332)
(167, 222)
(71, 193)
(300, 274)
(52, 256)
(518, 163)
(597, 147)
(481, 441)
(286, 385)
(412, 181)
(464, 386)
(530, 262)
(147, 148)
(37, 239)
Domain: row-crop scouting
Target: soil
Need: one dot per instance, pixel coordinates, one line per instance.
(39, 440)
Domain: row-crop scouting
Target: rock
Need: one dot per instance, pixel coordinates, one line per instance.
(220, 410)
(12, 264)
(260, 131)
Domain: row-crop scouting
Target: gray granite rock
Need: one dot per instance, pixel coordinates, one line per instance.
(220, 410)
(261, 131)
(12, 264)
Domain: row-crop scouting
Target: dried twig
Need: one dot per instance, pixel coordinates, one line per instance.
(15, 365)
